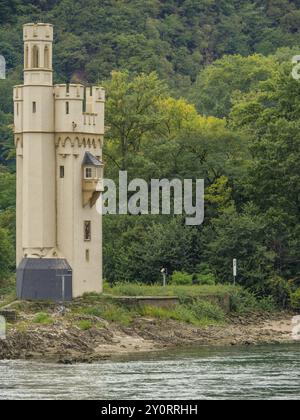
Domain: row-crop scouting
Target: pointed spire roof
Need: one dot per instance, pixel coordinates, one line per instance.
(91, 160)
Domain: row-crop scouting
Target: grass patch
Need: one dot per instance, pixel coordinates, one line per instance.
(137, 289)
(108, 311)
(196, 313)
(43, 318)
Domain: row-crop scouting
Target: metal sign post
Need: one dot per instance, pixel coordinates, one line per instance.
(164, 273)
(63, 291)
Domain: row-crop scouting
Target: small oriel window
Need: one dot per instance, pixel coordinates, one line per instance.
(62, 171)
(87, 231)
(88, 173)
(34, 107)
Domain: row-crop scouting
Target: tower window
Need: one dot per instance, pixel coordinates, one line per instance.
(67, 108)
(87, 231)
(62, 171)
(35, 57)
(88, 173)
(87, 255)
(34, 107)
(17, 109)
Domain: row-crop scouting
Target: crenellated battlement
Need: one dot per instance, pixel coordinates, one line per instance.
(79, 109)
(69, 92)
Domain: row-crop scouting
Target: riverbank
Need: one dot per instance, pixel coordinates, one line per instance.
(65, 340)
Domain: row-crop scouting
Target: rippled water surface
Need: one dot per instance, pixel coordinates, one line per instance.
(232, 373)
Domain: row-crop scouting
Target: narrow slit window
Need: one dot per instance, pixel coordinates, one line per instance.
(87, 231)
(62, 171)
(67, 108)
(47, 57)
(87, 255)
(34, 107)
(18, 109)
(35, 57)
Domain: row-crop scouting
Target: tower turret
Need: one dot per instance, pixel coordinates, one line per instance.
(59, 134)
(38, 39)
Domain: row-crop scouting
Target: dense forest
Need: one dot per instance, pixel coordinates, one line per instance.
(197, 89)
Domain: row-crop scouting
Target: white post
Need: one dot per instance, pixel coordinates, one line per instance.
(63, 288)
(164, 274)
(234, 271)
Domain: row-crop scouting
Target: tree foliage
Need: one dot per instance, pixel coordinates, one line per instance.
(195, 89)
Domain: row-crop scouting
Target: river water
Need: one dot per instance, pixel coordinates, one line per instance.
(271, 372)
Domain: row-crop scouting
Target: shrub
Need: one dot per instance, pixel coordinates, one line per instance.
(204, 276)
(243, 301)
(203, 268)
(85, 325)
(206, 279)
(94, 311)
(204, 310)
(195, 280)
(181, 278)
(43, 318)
(280, 290)
(266, 304)
(295, 300)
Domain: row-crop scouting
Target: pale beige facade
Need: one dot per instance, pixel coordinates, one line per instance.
(59, 132)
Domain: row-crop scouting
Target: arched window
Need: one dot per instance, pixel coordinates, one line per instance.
(35, 57)
(26, 57)
(47, 57)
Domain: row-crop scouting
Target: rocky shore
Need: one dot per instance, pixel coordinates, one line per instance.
(62, 342)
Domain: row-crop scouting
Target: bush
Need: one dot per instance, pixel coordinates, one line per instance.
(295, 300)
(266, 304)
(94, 311)
(243, 301)
(280, 290)
(43, 318)
(204, 276)
(204, 310)
(85, 325)
(181, 278)
(204, 279)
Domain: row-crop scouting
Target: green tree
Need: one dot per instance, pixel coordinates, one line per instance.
(132, 113)
(242, 236)
(217, 84)
(6, 254)
(271, 117)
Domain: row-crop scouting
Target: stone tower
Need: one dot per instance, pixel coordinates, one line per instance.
(59, 133)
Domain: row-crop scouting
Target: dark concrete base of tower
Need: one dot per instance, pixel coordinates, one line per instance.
(44, 279)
